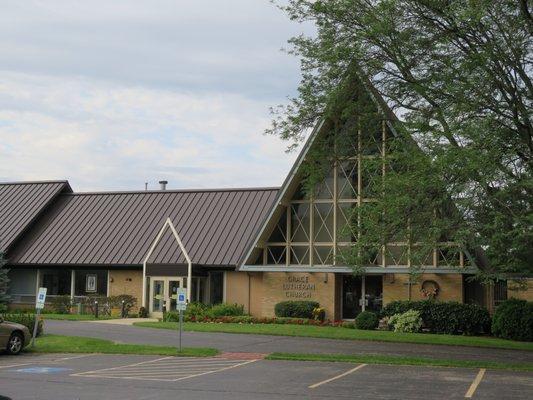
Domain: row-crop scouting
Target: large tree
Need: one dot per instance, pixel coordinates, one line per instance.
(458, 74)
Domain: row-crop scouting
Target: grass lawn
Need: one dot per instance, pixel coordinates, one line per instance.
(75, 344)
(345, 334)
(399, 360)
(75, 317)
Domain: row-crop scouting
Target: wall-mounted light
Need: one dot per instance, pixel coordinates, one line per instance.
(325, 277)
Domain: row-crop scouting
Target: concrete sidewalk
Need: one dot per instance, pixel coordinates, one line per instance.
(229, 342)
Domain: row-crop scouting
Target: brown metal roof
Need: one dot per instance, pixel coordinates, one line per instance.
(118, 228)
(21, 203)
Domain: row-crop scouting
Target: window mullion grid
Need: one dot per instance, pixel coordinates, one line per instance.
(311, 229)
(359, 185)
(335, 184)
(289, 239)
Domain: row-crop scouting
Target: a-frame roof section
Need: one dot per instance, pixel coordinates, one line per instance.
(20, 205)
(168, 228)
(292, 180)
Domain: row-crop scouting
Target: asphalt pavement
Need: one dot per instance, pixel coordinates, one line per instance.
(117, 377)
(231, 342)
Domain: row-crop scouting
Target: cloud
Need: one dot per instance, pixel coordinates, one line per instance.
(104, 136)
(113, 94)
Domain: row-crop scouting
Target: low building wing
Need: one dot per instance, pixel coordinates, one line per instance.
(117, 228)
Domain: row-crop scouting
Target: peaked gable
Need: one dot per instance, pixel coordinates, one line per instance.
(301, 235)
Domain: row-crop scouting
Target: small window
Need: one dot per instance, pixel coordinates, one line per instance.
(91, 283)
(57, 283)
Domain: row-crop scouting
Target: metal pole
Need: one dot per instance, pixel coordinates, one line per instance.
(37, 314)
(181, 325)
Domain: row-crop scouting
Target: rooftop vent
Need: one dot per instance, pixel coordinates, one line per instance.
(163, 185)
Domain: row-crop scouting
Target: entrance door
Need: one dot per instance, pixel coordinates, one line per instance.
(163, 294)
(360, 294)
(351, 296)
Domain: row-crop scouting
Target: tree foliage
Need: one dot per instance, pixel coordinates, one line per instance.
(458, 74)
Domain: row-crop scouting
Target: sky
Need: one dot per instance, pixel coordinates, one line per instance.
(113, 94)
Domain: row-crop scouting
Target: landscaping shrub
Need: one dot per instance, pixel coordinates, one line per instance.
(195, 311)
(398, 307)
(61, 304)
(171, 316)
(26, 319)
(409, 321)
(295, 309)
(366, 320)
(225, 310)
(383, 324)
(143, 312)
(513, 319)
(319, 313)
(116, 302)
(444, 317)
(88, 305)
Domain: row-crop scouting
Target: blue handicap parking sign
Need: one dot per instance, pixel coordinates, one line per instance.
(181, 297)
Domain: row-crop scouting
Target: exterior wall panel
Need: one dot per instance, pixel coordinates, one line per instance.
(395, 287)
(126, 282)
(280, 286)
(237, 289)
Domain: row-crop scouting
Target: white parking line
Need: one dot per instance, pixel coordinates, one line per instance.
(32, 360)
(74, 357)
(475, 383)
(336, 377)
(218, 370)
(14, 365)
(169, 369)
(123, 366)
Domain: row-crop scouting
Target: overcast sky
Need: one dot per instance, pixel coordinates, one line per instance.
(112, 94)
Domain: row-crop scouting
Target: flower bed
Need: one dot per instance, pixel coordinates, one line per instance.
(245, 319)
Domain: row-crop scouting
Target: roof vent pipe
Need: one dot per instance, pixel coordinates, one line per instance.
(163, 185)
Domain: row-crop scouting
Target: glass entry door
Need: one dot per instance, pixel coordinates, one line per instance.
(351, 296)
(361, 293)
(163, 294)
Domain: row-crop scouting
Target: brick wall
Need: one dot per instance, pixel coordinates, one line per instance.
(281, 286)
(395, 287)
(126, 282)
(237, 288)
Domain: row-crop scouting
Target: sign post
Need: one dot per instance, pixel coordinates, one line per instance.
(181, 306)
(39, 305)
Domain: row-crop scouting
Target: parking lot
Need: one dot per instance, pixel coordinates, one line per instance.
(243, 376)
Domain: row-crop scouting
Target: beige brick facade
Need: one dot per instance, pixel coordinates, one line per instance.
(281, 286)
(259, 292)
(395, 287)
(126, 282)
(237, 284)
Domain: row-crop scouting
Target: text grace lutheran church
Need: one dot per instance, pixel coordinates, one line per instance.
(254, 247)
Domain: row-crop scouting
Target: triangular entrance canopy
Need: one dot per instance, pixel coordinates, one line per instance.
(303, 235)
(168, 225)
